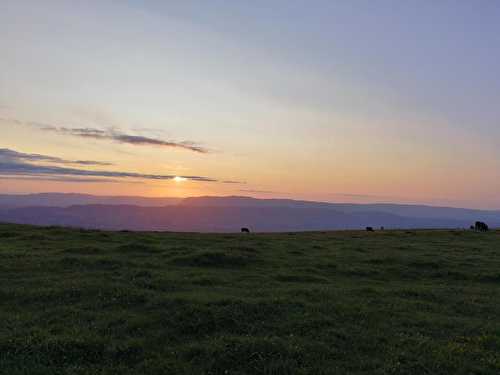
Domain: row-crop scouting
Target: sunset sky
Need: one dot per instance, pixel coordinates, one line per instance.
(341, 101)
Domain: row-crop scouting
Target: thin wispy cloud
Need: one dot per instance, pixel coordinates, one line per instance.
(66, 179)
(113, 134)
(120, 137)
(7, 154)
(259, 191)
(367, 196)
(14, 163)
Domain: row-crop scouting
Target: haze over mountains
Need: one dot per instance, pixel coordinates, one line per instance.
(67, 200)
(226, 214)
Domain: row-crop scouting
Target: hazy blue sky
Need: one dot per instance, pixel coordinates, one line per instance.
(332, 100)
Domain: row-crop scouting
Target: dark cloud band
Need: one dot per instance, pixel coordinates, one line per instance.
(15, 155)
(66, 179)
(19, 168)
(14, 163)
(114, 135)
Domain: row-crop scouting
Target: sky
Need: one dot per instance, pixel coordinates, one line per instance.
(340, 101)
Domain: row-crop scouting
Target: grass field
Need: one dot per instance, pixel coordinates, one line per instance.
(392, 302)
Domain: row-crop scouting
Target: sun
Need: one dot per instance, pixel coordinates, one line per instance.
(179, 179)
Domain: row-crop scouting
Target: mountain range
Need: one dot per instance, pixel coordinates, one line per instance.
(227, 214)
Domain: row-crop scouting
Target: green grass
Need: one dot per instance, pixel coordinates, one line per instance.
(392, 302)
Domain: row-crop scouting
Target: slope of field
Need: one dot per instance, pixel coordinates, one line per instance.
(392, 302)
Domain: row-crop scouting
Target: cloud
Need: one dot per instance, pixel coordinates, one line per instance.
(113, 134)
(259, 191)
(7, 154)
(233, 182)
(366, 196)
(65, 179)
(20, 168)
(14, 163)
(117, 136)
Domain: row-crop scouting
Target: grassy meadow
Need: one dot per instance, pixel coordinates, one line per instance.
(389, 302)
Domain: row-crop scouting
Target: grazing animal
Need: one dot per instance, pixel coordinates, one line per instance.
(481, 227)
(382, 228)
(472, 227)
(245, 230)
(369, 229)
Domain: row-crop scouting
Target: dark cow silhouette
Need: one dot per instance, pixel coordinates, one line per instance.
(382, 228)
(245, 230)
(369, 229)
(481, 227)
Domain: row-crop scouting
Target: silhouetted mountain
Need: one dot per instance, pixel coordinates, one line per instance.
(229, 214)
(236, 201)
(214, 219)
(67, 200)
(404, 210)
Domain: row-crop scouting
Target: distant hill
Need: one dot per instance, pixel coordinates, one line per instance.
(67, 200)
(227, 214)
